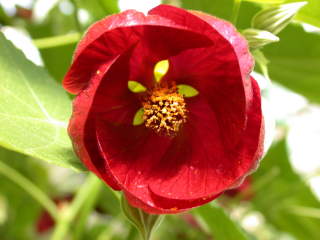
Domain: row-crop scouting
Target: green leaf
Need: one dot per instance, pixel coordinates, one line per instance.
(34, 110)
(310, 13)
(295, 61)
(219, 223)
(144, 222)
(222, 9)
(278, 200)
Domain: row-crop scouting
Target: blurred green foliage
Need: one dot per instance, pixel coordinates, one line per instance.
(282, 193)
(295, 61)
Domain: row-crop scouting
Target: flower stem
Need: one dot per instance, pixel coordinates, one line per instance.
(132, 234)
(85, 211)
(235, 11)
(305, 211)
(30, 188)
(56, 41)
(87, 191)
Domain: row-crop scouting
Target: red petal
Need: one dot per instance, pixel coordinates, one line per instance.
(104, 105)
(115, 34)
(219, 72)
(198, 178)
(239, 43)
(163, 176)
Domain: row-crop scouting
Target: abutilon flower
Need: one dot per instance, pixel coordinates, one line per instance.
(166, 110)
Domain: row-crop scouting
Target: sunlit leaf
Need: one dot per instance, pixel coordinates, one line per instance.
(34, 110)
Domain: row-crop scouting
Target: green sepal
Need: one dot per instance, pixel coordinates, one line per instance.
(274, 19)
(144, 222)
(258, 38)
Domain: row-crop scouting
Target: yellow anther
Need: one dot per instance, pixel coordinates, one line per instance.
(165, 111)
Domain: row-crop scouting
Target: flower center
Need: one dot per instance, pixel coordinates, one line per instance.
(165, 111)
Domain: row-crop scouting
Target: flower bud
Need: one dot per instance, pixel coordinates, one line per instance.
(259, 38)
(275, 19)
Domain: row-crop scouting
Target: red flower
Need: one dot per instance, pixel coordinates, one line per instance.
(188, 150)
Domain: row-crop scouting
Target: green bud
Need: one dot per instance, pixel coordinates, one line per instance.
(144, 222)
(276, 18)
(258, 38)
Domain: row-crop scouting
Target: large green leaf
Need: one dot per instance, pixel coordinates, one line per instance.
(295, 61)
(309, 13)
(34, 110)
(285, 192)
(219, 223)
